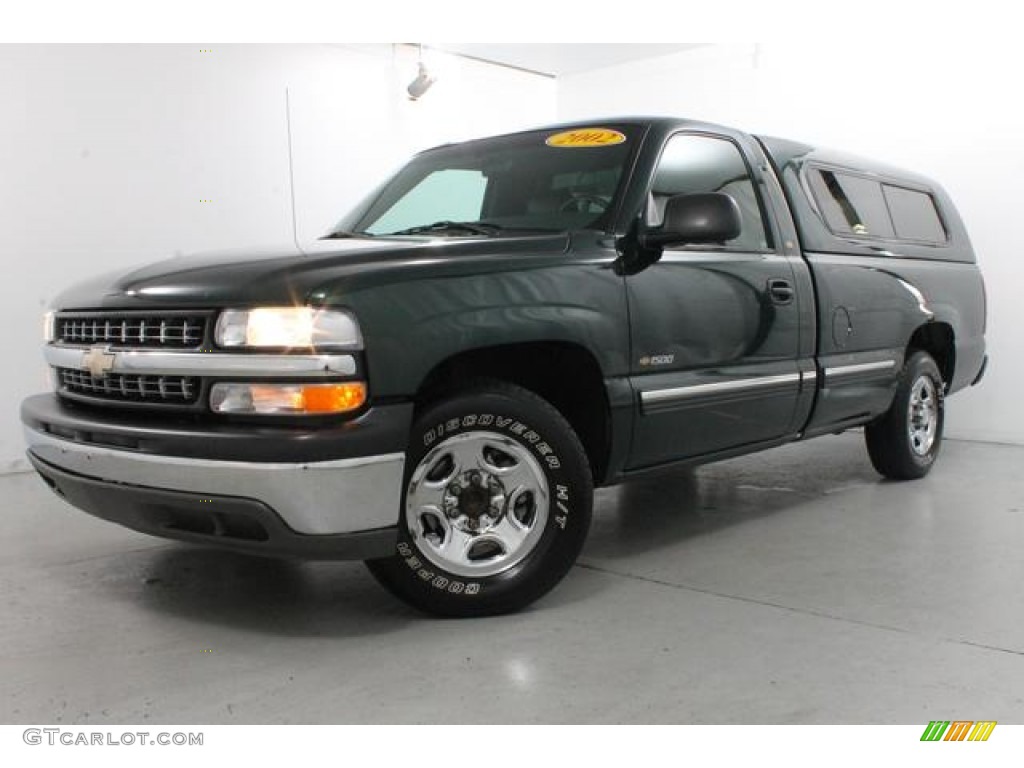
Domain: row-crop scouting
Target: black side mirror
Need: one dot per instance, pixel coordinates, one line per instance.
(707, 217)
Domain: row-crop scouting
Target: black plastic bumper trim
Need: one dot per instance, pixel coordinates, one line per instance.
(382, 429)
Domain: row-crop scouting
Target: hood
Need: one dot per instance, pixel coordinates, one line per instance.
(323, 268)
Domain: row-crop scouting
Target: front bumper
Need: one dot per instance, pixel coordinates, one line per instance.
(227, 522)
(312, 504)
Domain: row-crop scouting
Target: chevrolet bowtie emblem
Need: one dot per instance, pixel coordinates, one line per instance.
(99, 360)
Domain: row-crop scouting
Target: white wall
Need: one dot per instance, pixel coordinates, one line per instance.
(950, 112)
(106, 152)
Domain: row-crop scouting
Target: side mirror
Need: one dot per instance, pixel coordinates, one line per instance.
(707, 217)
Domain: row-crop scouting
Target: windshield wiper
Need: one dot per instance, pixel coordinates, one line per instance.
(342, 235)
(473, 227)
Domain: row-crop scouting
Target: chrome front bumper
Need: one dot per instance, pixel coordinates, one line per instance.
(311, 498)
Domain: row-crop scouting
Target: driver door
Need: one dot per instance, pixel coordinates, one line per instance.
(714, 328)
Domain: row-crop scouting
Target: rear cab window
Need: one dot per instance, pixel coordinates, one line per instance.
(859, 206)
(914, 215)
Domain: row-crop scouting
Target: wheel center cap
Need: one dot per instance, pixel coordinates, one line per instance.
(920, 416)
(474, 501)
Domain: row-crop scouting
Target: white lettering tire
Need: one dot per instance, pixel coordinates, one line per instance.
(496, 504)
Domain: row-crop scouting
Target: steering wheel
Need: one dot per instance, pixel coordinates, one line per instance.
(581, 202)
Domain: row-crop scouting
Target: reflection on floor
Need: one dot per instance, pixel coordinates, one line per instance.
(788, 587)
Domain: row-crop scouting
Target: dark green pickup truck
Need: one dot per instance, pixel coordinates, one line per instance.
(437, 386)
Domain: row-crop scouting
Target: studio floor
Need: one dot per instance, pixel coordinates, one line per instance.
(793, 586)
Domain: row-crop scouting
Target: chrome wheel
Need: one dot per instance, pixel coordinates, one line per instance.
(477, 504)
(923, 415)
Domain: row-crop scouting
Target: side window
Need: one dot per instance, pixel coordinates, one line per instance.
(449, 195)
(693, 163)
(851, 205)
(914, 215)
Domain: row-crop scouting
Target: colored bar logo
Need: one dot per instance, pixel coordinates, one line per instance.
(958, 730)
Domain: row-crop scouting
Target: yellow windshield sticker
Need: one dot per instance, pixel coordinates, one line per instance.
(586, 137)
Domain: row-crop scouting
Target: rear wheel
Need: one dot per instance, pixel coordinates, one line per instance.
(496, 504)
(904, 443)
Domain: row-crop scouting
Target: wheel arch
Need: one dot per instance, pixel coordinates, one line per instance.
(938, 339)
(565, 374)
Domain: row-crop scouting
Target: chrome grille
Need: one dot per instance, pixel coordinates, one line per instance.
(172, 390)
(166, 331)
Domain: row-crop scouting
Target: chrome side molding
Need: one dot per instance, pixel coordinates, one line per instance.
(840, 371)
(653, 397)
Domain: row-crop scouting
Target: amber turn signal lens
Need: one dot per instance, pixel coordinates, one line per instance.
(333, 398)
(287, 399)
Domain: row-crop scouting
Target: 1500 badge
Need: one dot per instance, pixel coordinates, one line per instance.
(647, 360)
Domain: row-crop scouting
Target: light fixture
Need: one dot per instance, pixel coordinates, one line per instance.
(421, 84)
(287, 327)
(271, 399)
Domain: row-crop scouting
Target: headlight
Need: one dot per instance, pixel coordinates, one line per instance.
(49, 327)
(287, 327)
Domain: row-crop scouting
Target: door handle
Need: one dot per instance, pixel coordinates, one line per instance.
(781, 291)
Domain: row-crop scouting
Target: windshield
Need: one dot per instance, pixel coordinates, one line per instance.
(552, 180)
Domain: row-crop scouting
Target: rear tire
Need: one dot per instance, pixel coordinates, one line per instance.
(496, 504)
(904, 443)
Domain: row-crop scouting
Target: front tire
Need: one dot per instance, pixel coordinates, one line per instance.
(904, 443)
(496, 504)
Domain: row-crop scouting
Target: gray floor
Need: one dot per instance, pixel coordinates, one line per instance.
(789, 587)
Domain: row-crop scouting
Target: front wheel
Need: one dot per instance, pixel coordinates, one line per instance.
(904, 443)
(496, 504)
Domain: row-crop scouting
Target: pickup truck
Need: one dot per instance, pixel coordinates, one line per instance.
(437, 385)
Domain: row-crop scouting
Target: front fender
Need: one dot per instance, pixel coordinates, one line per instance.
(411, 327)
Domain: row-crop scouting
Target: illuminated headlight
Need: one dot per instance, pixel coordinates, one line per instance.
(49, 327)
(287, 399)
(287, 327)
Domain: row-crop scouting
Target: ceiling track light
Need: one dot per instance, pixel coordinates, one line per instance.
(421, 84)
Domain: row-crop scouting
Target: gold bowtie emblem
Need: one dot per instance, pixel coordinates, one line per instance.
(99, 360)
